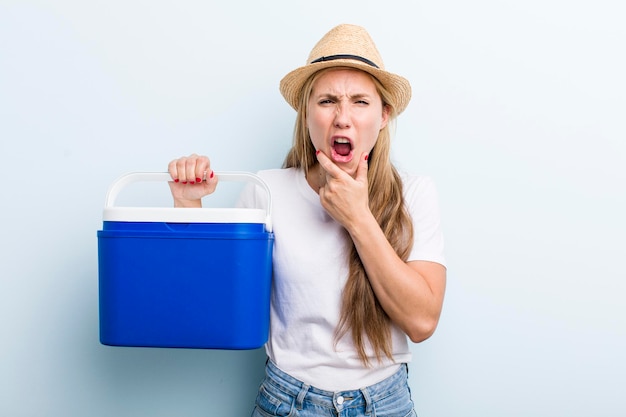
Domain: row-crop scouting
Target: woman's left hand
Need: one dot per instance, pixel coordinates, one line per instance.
(344, 198)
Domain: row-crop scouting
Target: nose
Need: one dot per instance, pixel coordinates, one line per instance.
(342, 116)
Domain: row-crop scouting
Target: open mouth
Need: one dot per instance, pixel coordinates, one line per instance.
(342, 147)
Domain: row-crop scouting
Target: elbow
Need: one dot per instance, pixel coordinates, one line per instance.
(421, 330)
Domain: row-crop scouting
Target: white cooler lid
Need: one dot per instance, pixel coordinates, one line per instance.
(184, 215)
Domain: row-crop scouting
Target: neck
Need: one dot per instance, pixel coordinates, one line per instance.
(315, 177)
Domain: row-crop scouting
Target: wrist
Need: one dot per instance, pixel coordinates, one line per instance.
(360, 225)
(181, 203)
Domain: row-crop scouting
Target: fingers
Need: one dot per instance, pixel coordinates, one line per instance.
(361, 173)
(343, 196)
(333, 171)
(328, 166)
(191, 169)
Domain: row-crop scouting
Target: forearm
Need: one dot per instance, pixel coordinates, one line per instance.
(182, 203)
(411, 299)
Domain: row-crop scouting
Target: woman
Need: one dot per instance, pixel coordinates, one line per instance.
(358, 256)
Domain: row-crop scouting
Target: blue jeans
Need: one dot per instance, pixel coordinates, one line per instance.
(282, 395)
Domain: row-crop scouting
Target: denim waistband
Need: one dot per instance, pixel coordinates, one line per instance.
(364, 396)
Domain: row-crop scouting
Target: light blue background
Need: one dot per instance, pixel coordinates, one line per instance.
(518, 115)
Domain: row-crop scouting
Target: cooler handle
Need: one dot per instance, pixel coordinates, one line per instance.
(132, 177)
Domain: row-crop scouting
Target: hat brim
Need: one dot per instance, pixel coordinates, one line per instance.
(398, 87)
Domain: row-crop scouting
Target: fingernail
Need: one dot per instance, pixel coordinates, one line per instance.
(367, 157)
(198, 179)
(184, 182)
(176, 180)
(317, 152)
(212, 174)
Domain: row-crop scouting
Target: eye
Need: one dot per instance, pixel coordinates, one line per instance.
(361, 100)
(326, 101)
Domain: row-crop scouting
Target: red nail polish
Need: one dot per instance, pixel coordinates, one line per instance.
(198, 180)
(317, 152)
(212, 174)
(176, 180)
(367, 157)
(184, 182)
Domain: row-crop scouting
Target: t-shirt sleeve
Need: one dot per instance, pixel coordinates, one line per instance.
(252, 196)
(422, 201)
(247, 197)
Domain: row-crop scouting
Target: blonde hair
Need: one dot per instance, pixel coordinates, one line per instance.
(361, 313)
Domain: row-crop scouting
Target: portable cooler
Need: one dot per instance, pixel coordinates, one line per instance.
(184, 277)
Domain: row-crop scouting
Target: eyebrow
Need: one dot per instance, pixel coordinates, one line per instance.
(336, 97)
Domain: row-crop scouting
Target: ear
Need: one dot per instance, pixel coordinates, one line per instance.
(385, 116)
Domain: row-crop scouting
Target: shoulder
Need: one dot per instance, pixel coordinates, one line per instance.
(279, 181)
(278, 176)
(418, 187)
(415, 180)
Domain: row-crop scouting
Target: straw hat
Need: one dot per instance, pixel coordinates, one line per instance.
(346, 46)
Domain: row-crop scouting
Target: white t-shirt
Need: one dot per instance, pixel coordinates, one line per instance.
(310, 269)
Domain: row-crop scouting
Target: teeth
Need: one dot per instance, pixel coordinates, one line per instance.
(342, 140)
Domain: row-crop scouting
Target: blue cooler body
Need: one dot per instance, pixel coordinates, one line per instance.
(185, 278)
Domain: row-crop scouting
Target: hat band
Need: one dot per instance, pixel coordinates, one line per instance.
(355, 57)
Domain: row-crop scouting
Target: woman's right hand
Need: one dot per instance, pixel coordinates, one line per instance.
(192, 179)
